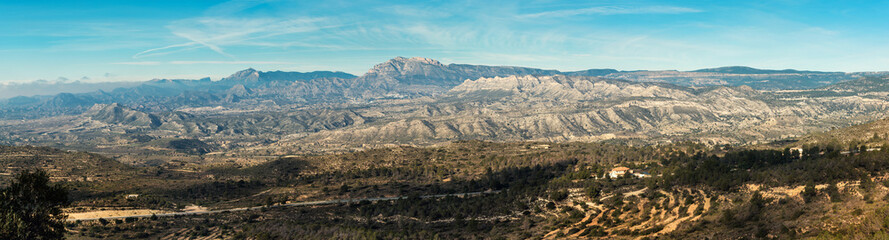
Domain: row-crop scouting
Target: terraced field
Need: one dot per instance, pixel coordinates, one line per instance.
(635, 215)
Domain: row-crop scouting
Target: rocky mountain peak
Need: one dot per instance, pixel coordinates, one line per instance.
(424, 61)
(252, 76)
(249, 74)
(415, 60)
(415, 66)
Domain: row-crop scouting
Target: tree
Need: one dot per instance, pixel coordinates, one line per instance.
(809, 192)
(30, 208)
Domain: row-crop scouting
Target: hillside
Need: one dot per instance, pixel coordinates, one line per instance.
(874, 85)
(531, 190)
(534, 190)
(562, 108)
(61, 165)
(873, 134)
(116, 114)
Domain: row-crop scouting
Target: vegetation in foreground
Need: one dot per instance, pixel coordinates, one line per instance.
(30, 207)
(540, 191)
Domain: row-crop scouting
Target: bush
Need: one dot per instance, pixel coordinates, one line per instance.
(559, 195)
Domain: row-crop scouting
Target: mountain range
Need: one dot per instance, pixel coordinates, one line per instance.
(397, 78)
(420, 101)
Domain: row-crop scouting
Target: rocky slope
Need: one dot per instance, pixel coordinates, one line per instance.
(61, 165)
(116, 114)
(564, 108)
(514, 108)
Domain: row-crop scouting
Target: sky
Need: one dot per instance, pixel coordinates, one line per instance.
(124, 40)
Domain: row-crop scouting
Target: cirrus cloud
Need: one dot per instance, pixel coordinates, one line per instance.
(613, 10)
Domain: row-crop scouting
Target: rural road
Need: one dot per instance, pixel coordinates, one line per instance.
(296, 204)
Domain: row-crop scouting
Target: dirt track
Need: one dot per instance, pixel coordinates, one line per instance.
(120, 214)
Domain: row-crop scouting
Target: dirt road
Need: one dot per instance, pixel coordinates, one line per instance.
(75, 217)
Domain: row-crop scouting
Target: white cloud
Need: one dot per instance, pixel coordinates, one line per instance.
(613, 10)
(147, 63)
(214, 33)
(226, 62)
(152, 63)
(414, 11)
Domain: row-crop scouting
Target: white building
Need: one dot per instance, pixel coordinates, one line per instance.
(621, 171)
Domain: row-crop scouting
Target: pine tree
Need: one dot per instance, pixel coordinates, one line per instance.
(30, 208)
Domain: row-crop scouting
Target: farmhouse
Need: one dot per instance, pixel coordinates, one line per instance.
(618, 172)
(621, 171)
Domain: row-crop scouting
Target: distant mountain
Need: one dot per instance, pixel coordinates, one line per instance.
(11, 90)
(396, 78)
(243, 88)
(571, 108)
(424, 71)
(426, 76)
(343, 114)
(67, 100)
(861, 85)
(738, 76)
(592, 72)
(252, 76)
(750, 70)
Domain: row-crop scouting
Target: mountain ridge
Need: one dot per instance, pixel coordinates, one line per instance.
(751, 70)
(397, 78)
(252, 75)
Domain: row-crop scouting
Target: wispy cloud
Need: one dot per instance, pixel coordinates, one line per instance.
(146, 63)
(227, 62)
(411, 11)
(167, 49)
(151, 63)
(612, 10)
(216, 32)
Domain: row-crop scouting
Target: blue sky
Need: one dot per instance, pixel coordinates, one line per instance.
(124, 40)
